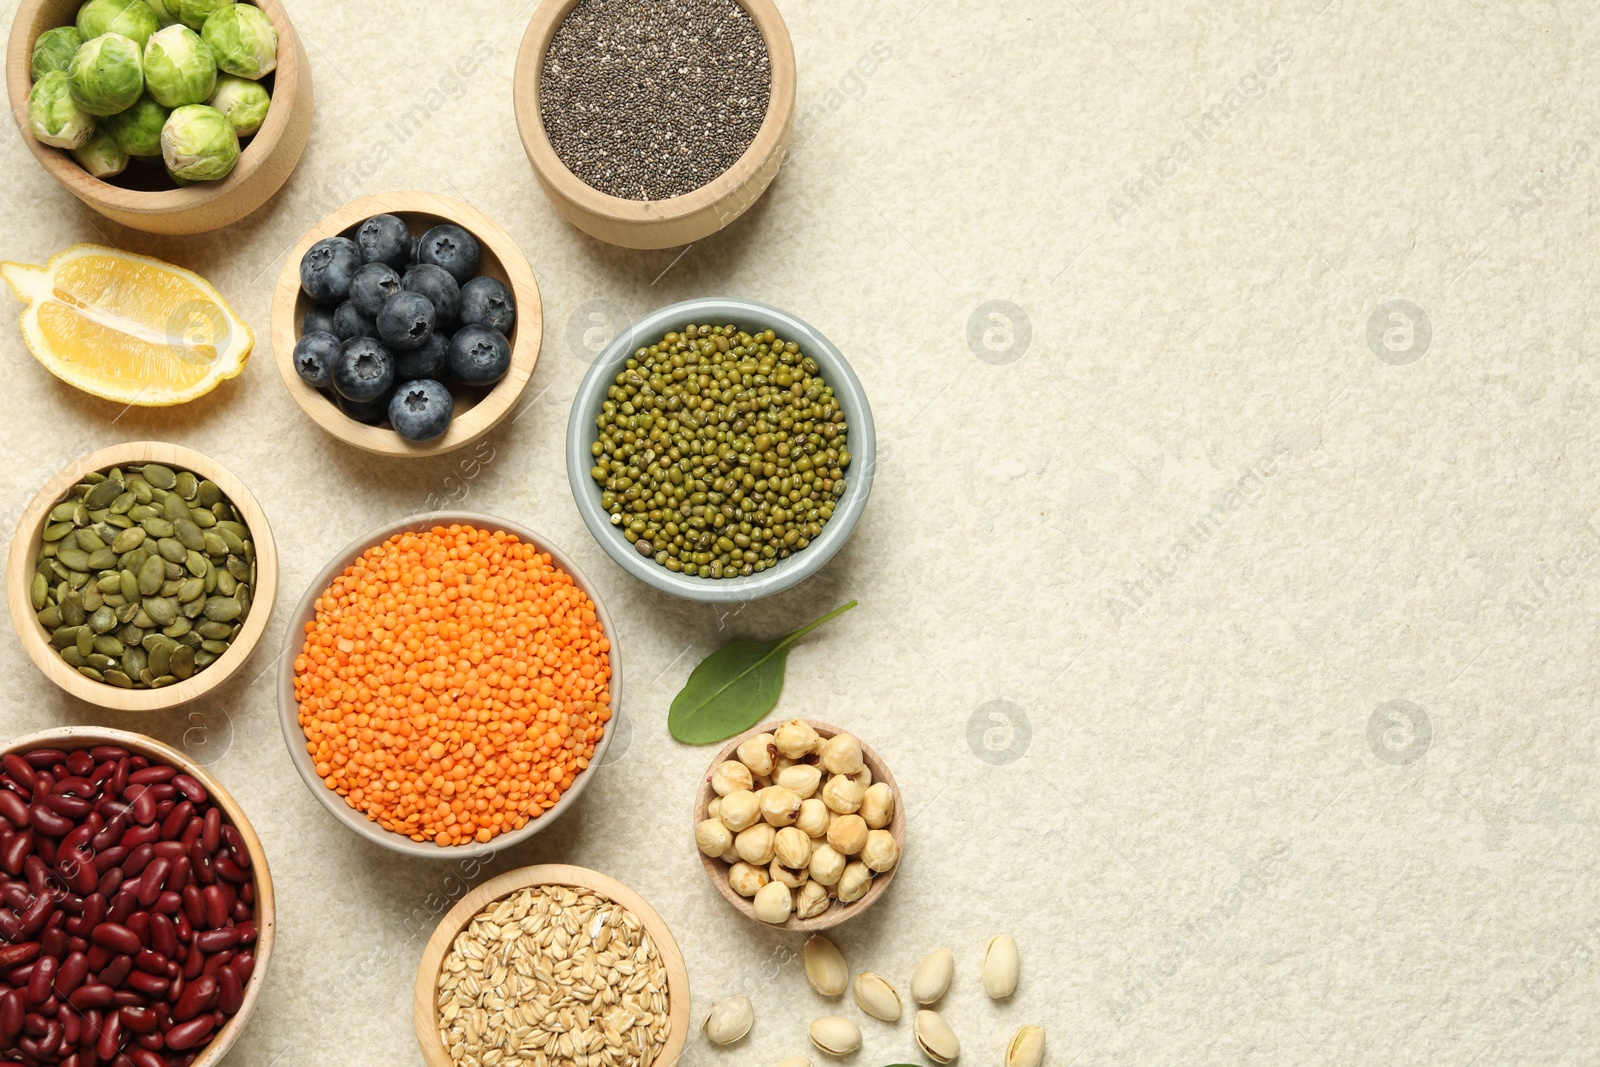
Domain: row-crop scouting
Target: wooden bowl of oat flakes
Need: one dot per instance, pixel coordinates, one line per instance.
(552, 940)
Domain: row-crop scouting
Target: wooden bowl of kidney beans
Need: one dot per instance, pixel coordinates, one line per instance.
(136, 910)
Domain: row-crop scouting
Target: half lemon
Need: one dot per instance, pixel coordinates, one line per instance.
(128, 328)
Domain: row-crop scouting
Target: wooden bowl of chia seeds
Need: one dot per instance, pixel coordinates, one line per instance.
(646, 198)
(247, 630)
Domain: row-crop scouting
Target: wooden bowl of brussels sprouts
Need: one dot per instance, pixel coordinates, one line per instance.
(120, 157)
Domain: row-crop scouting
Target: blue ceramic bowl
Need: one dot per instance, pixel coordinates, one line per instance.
(751, 317)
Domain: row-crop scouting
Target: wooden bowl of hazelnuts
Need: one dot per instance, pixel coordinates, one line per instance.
(800, 826)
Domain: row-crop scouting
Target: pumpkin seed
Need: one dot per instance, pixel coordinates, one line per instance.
(237, 567)
(216, 648)
(73, 558)
(121, 505)
(141, 512)
(188, 590)
(50, 618)
(161, 657)
(160, 610)
(57, 530)
(198, 565)
(209, 494)
(118, 679)
(128, 540)
(91, 674)
(65, 637)
(103, 620)
(38, 591)
(72, 657)
(222, 609)
(118, 522)
(103, 559)
(179, 627)
(109, 646)
(84, 639)
(172, 550)
(89, 541)
(214, 631)
(187, 532)
(162, 477)
(202, 518)
(157, 527)
(187, 485)
(72, 610)
(103, 494)
(227, 584)
(63, 512)
(174, 508)
(183, 661)
(151, 575)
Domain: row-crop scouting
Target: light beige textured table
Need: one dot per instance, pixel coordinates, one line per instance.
(1187, 513)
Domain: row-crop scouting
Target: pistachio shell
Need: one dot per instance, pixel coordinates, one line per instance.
(1026, 1048)
(931, 980)
(835, 1035)
(826, 969)
(935, 1038)
(730, 1020)
(877, 997)
(1001, 967)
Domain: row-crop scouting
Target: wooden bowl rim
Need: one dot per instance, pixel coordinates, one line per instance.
(837, 913)
(289, 708)
(425, 1013)
(69, 738)
(774, 129)
(526, 333)
(61, 166)
(25, 542)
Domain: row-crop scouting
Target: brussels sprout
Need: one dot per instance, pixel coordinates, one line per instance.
(244, 102)
(106, 75)
(179, 67)
(54, 117)
(137, 131)
(165, 10)
(130, 18)
(198, 144)
(100, 156)
(243, 40)
(54, 49)
(193, 13)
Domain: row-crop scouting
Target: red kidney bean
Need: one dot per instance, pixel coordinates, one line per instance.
(190, 787)
(91, 996)
(119, 777)
(149, 984)
(230, 990)
(181, 874)
(152, 775)
(144, 806)
(110, 859)
(139, 923)
(74, 969)
(20, 848)
(211, 829)
(94, 912)
(167, 903)
(19, 769)
(115, 972)
(79, 762)
(111, 834)
(143, 1057)
(194, 964)
(124, 904)
(43, 977)
(209, 941)
(236, 847)
(197, 998)
(48, 822)
(153, 881)
(15, 810)
(71, 1024)
(115, 936)
(33, 920)
(69, 806)
(190, 1034)
(170, 850)
(12, 1014)
(229, 871)
(140, 1020)
(16, 955)
(138, 860)
(151, 963)
(163, 936)
(78, 838)
(135, 836)
(108, 753)
(99, 956)
(52, 1037)
(177, 820)
(200, 863)
(79, 787)
(110, 1037)
(218, 905)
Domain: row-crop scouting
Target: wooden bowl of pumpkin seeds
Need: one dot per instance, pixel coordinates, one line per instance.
(142, 577)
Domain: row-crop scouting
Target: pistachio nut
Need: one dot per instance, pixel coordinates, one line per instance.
(730, 1020)
(931, 980)
(774, 903)
(813, 818)
(796, 739)
(758, 753)
(730, 777)
(747, 879)
(841, 754)
(812, 900)
(712, 837)
(877, 806)
(1026, 1048)
(802, 779)
(1001, 967)
(836, 1036)
(877, 997)
(739, 810)
(848, 834)
(854, 883)
(825, 967)
(881, 852)
(935, 1038)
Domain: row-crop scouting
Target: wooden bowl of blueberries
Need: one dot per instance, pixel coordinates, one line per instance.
(407, 324)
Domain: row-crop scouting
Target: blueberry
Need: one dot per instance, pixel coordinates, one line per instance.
(348, 322)
(421, 410)
(406, 322)
(318, 319)
(313, 358)
(479, 355)
(452, 248)
(432, 360)
(439, 287)
(371, 412)
(384, 239)
(363, 370)
(328, 269)
(485, 302)
(372, 287)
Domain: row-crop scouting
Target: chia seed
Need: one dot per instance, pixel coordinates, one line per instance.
(651, 99)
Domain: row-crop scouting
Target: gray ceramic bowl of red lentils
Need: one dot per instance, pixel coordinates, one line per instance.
(750, 317)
